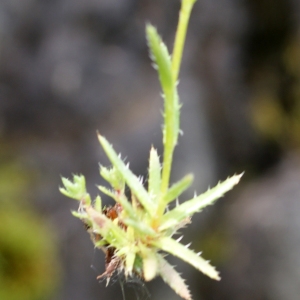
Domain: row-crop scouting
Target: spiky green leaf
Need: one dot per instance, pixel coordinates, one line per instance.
(129, 262)
(114, 177)
(106, 191)
(161, 58)
(178, 188)
(98, 204)
(75, 189)
(140, 227)
(131, 180)
(150, 264)
(188, 208)
(173, 278)
(175, 248)
(79, 215)
(154, 180)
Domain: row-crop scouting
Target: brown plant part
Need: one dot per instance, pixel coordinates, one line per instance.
(112, 262)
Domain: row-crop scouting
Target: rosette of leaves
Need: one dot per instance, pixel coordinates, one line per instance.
(137, 233)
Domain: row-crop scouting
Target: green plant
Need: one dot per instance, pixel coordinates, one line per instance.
(135, 233)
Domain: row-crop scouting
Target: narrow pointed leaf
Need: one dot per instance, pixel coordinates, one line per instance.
(79, 215)
(196, 204)
(126, 205)
(106, 191)
(154, 180)
(169, 245)
(178, 188)
(139, 226)
(98, 204)
(150, 264)
(129, 259)
(99, 243)
(161, 58)
(173, 278)
(131, 180)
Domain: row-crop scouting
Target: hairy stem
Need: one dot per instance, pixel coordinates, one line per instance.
(169, 145)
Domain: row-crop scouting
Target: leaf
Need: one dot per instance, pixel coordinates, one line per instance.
(106, 191)
(129, 258)
(110, 231)
(169, 245)
(140, 227)
(154, 180)
(131, 180)
(75, 189)
(178, 188)
(98, 243)
(114, 177)
(173, 278)
(150, 264)
(98, 204)
(80, 215)
(160, 56)
(188, 208)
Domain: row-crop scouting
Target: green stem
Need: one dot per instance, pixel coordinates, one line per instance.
(169, 145)
(184, 17)
(168, 156)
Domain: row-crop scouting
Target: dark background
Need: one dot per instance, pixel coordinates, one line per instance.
(70, 68)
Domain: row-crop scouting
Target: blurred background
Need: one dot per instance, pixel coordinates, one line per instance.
(70, 68)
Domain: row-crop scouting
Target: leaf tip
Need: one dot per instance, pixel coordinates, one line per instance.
(238, 177)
